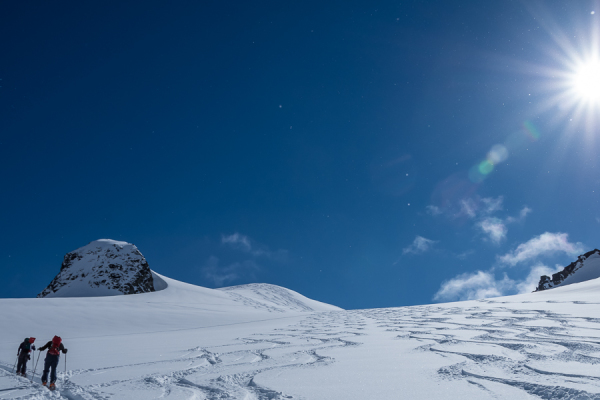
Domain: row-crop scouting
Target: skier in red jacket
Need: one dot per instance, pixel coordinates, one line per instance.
(55, 346)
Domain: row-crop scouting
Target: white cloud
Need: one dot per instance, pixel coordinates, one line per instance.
(477, 208)
(468, 208)
(465, 254)
(530, 283)
(433, 210)
(244, 243)
(419, 245)
(483, 284)
(473, 207)
(494, 228)
(480, 211)
(492, 204)
(522, 214)
(478, 285)
(546, 243)
(221, 275)
(237, 240)
(526, 210)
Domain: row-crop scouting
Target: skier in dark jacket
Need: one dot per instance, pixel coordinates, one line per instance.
(55, 346)
(23, 355)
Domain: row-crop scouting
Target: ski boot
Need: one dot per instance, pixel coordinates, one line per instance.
(44, 383)
(52, 386)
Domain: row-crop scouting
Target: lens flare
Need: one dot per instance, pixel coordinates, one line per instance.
(531, 130)
(497, 154)
(479, 172)
(486, 167)
(475, 175)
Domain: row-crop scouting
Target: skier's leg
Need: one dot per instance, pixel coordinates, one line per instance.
(53, 366)
(47, 363)
(21, 364)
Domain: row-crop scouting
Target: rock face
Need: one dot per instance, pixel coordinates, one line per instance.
(585, 268)
(102, 268)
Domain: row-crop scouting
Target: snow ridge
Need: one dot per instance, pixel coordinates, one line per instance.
(274, 298)
(103, 267)
(585, 268)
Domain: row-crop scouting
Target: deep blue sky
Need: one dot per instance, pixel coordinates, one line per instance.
(331, 147)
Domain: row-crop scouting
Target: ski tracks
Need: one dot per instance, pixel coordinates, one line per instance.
(16, 387)
(542, 354)
(295, 347)
(214, 373)
(532, 350)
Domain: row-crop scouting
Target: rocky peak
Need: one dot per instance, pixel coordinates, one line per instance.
(585, 268)
(103, 267)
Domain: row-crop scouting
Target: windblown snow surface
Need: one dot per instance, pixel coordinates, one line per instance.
(187, 342)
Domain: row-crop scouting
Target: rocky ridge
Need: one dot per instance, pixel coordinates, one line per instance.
(102, 268)
(585, 268)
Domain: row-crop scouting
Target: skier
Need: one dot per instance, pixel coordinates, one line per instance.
(23, 355)
(55, 346)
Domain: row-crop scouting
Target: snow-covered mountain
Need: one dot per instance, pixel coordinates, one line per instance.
(102, 268)
(108, 267)
(585, 268)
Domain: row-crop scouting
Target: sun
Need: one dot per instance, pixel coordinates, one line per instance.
(569, 79)
(585, 82)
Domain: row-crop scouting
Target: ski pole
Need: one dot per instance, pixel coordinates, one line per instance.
(65, 366)
(35, 367)
(14, 366)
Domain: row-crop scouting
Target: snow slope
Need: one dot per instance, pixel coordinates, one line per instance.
(186, 342)
(274, 298)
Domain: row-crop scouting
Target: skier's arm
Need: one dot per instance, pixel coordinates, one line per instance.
(44, 347)
(19, 350)
(62, 348)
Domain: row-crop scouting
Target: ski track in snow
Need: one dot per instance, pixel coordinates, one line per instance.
(544, 354)
(510, 342)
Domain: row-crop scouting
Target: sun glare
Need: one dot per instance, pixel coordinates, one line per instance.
(571, 78)
(586, 81)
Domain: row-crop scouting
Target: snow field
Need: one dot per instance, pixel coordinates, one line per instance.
(185, 344)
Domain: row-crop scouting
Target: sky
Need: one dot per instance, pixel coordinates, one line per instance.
(363, 153)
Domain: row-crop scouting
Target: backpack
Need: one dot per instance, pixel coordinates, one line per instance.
(55, 347)
(26, 346)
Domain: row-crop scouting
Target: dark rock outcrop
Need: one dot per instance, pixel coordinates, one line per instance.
(102, 268)
(558, 278)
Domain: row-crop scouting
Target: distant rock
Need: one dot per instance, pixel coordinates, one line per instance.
(102, 268)
(585, 268)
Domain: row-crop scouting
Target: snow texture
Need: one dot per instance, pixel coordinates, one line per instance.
(273, 298)
(256, 342)
(585, 268)
(103, 267)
